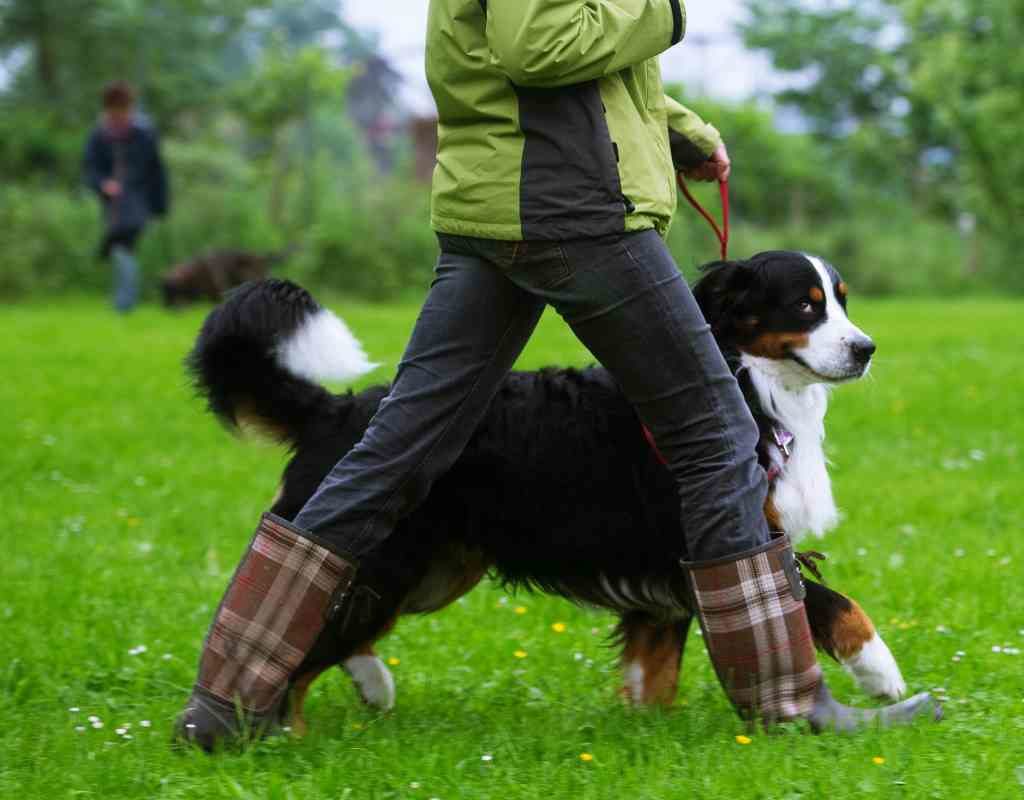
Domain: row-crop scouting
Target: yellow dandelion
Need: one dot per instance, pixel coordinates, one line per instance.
(558, 627)
(743, 740)
(394, 662)
(586, 757)
(520, 654)
(878, 760)
(520, 610)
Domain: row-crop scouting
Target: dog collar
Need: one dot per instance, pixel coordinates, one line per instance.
(781, 439)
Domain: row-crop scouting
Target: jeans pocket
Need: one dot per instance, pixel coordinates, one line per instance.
(544, 264)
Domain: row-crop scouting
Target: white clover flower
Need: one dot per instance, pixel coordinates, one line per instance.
(74, 709)
(145, 723)
(487, 757)
(97, 724)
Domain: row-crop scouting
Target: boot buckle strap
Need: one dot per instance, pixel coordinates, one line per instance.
(796, 581)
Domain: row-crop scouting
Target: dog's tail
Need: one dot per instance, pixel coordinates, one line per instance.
(260, 353)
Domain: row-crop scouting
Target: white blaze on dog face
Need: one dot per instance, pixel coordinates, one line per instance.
(836, 350)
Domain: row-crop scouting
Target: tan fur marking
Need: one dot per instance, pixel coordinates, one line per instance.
(843, 289)
(657, 648)
(297, 700)
(775, 345)
(816, 294)
(851, 631)
(771, 513)
(251, 423)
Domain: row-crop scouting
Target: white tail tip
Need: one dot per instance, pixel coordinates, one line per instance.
(323, 348)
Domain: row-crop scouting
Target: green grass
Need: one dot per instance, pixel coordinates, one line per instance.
(127, 508)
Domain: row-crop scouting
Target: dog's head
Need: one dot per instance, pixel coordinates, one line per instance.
(787, 307)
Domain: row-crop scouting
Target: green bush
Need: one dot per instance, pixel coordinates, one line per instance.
(881, 249)
(371, 238)
(48, 241)
(49, 237)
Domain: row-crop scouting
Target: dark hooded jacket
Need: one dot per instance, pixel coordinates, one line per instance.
(133, 159)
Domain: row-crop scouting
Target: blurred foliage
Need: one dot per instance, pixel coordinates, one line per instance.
(903, 169)
(916, 102)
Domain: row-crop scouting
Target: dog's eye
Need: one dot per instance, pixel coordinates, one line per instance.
(805, 307)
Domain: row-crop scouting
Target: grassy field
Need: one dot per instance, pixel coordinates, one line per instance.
(127, 508)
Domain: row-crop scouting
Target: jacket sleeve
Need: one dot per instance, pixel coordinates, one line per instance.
(549, 43)
(159, 190)
(691, 139)
(92, 168)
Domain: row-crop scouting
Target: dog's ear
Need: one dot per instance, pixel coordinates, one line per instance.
(722, 292)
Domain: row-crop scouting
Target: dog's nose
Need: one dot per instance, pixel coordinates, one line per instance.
(862, 350)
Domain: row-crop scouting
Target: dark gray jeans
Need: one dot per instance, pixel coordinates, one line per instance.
(625, 299)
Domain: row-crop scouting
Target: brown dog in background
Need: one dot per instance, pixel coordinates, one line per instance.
(208, 276)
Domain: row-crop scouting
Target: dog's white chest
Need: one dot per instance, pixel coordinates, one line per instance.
(802, 492)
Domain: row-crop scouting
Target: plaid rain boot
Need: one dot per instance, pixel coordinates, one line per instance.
(287, 587)
(755, 627)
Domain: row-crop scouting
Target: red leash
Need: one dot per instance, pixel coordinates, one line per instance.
(722, 235)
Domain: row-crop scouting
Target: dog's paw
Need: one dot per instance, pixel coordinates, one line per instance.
(875, 670)
(373, 680)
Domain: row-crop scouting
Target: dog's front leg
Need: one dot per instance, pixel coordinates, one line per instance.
(842, 629)
(652, 651)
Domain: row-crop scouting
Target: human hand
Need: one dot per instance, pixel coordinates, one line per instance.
(717, 168)
(111, 188)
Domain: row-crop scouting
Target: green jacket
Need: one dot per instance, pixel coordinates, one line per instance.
(553, 122)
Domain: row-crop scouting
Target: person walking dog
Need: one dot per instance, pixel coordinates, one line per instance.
(554, 185)
(122, 165)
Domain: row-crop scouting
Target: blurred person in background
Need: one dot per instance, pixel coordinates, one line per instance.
(122, 164)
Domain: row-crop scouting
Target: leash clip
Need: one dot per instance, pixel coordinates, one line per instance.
(783, 439)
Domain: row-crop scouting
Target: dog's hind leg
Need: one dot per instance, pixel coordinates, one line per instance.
(296, 718)
(652, 651)
(842, 629)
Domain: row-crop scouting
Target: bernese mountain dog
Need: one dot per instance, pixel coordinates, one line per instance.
(558, 490)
